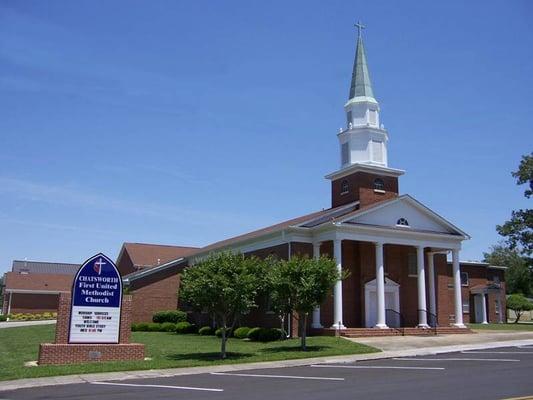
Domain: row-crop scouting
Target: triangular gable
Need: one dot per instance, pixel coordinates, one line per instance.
(419, 217)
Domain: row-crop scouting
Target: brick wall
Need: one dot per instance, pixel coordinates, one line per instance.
(33, 303)
(361, 187)
(155, 292)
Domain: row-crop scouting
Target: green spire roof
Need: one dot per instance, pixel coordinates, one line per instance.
(361, 85)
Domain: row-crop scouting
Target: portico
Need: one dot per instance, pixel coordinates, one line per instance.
(380, 261)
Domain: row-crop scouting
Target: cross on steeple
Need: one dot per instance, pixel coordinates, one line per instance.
(359, 27)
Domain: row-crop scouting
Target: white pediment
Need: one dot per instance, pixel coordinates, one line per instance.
(405, 208)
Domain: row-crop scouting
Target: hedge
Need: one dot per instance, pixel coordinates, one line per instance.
(32, 317)
(153, 327)
(218, 332)
(206, 331)
(185, 327)
(242, 332)
(264, 334)
(173, 316)
(3, 318)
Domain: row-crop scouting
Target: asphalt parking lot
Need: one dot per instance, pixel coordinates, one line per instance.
(498, 373)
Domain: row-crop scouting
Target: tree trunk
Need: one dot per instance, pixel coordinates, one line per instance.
(282, 321)
(223, 344)
(518, 314)
(303, 330)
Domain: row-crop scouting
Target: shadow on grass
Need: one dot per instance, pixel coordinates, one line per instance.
(293, 349)
(213, 356)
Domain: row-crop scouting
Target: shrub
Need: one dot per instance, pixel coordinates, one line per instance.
(218, 332)
(168, 327)
(185, 327)
(153, 327)
(242, 332)
(141, 327)
(206, 331)
(3, 318)
(264, 334)
(173, 316)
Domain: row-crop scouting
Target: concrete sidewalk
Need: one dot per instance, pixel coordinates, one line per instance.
(18, 324)
(396, 343)
(425, 346)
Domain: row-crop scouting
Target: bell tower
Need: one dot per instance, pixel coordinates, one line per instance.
(364, 174)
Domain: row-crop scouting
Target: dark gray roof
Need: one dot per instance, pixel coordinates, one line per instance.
(38, 267)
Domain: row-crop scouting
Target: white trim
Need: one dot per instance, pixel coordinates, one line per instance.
(345, 171)
(30, 291)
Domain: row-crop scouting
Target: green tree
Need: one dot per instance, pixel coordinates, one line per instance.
(518, 303)
(518, 276)
(519, 229)
(301, 284)
(226, 285)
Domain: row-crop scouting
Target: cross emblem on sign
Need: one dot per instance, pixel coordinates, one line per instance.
(98, 265)
(359, 27)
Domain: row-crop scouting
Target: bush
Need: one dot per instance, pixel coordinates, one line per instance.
(3, 318)
(218, 332)
(185, 327)
(242, 332)
(206, 331)
(153, 327)
(141, 327)
(264, 334)
(173, 316)
(168, 327)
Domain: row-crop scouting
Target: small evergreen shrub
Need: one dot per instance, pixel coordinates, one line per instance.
(173, 316)
(218, 332)
(264, 334)
(168, 327)
(185, 327)
(3, 318)
(153, 327)
(242, 332)
(206, 331)
(141, 327)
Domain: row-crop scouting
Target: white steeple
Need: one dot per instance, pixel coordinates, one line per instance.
(364, 141)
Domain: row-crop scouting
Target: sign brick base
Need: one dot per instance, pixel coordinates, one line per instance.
(61, 352)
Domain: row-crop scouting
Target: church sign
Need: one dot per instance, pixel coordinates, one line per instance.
(96, 302)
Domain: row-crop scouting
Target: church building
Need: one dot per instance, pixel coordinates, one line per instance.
(394, 247)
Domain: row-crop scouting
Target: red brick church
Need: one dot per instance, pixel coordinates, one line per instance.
(395, 247)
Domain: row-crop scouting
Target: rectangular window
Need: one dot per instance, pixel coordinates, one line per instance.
(497, 306)
(496, 279)
(345, 153)
(377, 151)
(412, 264)
(372, 117)
(464, 278)
(349, 118)
(466, 306)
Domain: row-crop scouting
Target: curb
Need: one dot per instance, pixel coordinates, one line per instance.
(162, 373)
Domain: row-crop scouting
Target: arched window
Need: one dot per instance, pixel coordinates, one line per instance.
(402, 222)
(379, 184)
(345, 188)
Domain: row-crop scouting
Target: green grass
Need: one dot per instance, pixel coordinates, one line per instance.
(167, 350)
(503, 327)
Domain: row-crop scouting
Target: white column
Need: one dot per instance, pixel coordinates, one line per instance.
(337, 290)
(422, 316)
(483, 309)
(431, 282)
(9, 304)
(380, 287)
(316, 312)
(457, 289)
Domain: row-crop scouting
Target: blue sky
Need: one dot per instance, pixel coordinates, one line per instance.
(182, 122)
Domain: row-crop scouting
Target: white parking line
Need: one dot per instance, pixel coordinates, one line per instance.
(457, 359)
(319, 378)
(496, 352)
(158, 386)
(373, 367)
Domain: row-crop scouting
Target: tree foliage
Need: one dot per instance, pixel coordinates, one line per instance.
(226, 285)
(519, 229)
(518, 276)
(518, 303)
(300, 285)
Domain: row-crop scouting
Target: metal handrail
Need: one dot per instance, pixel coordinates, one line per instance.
(431, 320)
(400, 317)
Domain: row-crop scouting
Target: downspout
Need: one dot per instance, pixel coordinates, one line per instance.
(9, 304)
(289, 317)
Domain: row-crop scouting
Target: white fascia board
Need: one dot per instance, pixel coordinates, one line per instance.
(376, 169)
(30, 291)
(149, 271)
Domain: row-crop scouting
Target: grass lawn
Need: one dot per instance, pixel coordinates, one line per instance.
(167, 350)
(503, 327)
